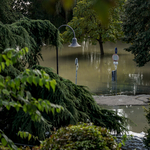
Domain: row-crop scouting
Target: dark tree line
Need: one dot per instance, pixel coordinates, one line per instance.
(12, 10)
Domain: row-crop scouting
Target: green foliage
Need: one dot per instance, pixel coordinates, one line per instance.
(26, 135)
(81, 136)
(7, 13)
(136, 23)
(15, 97)
(78, 104)
(31, 34)
(87, 24)
(147, 136)
(5, 141)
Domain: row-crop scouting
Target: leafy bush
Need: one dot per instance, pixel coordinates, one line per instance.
(147, 136)
(81, 136)
(15, 98)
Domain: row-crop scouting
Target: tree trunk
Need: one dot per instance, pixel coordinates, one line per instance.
(101, 45)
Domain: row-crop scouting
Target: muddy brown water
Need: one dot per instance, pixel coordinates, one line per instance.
(95, 72)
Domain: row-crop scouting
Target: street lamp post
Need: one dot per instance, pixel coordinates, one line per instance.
(73, 44)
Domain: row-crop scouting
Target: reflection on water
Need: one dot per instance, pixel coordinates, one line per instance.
(95, 71)
(135, 114)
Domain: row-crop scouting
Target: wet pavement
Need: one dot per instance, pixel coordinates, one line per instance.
(123, 100)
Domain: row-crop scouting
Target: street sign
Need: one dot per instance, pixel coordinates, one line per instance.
(115, 57)
(116, 50)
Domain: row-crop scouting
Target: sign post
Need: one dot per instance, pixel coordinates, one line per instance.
(115, 58)
(77, 65)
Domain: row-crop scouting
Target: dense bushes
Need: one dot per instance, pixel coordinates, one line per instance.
(78, 104)
(14, 98)
(147, 136)
(28, 100)
(82, 136)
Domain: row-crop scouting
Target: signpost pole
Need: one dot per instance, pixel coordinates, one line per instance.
(115, 58)
(76, 63)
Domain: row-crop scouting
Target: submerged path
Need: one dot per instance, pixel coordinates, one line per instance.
(136, 142)
(121, 100)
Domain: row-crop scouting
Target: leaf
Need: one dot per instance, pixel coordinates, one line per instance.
(5, 57)
(39, 106)
(35, 80)
(30, 79)
(24, 79)
(5, 91)
(29, 137)
(4, 142)
(40, 82)
(3, 65)
(8, 107)
(7, 63)
(25, 134)
(26, 49)
(120, 145)
(53, 84)
(23, 51)
(38, 72)
(25, 108)
(1, 84)
(46, 108)
(53, 111)
(9, 54)
(47, 85)
(27, 71)
(17, 108)
(58, 110)
(21, 134)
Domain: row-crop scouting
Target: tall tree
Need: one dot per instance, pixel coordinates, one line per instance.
(87, 24)
(136, 27)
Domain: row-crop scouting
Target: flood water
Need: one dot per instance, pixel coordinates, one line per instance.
(135, 113)
(95, 72)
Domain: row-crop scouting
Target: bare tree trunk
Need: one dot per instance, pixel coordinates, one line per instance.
(101, 45)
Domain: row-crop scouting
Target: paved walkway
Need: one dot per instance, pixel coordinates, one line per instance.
(121, 100)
